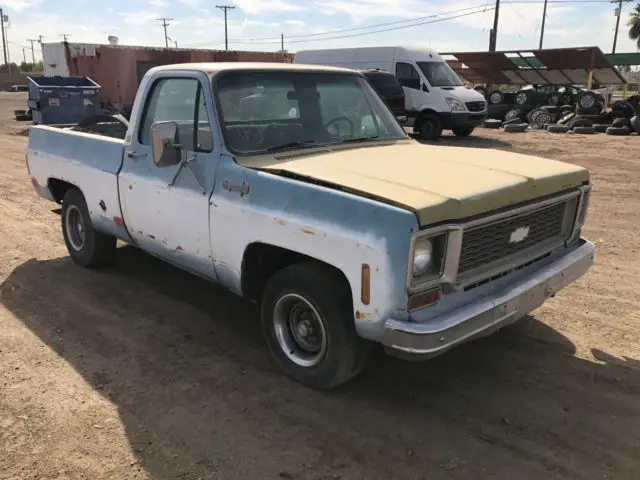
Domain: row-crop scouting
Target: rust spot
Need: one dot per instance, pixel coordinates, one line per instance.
(179, 247)
(358, 315)
(361, 315)
(307, 231)
(118, 221)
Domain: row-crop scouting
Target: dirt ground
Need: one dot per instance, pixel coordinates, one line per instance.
(144, 372)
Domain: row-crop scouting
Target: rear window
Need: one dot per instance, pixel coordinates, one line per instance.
(384, 83)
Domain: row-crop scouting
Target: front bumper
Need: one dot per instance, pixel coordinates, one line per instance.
(453, 120)
(490, 313)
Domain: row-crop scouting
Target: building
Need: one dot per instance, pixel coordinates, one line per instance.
(118, 69)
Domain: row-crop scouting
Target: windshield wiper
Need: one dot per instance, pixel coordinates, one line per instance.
(361, 139)
(299, 143)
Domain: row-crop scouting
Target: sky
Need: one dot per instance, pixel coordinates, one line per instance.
(257, 24)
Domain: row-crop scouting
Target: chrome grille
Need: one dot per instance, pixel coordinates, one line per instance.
(476, 106)
(490, 244)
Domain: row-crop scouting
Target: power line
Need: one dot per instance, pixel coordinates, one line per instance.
(165, 23)
(225, 8)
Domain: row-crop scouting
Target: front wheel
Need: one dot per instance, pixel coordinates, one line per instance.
(308, 324)
(430, 127)
(462, 131)
(87, 247)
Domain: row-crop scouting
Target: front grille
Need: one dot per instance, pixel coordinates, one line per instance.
(476, 106)
(489, 244)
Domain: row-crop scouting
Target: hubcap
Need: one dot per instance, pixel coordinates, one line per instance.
(75, 227)
(521, 98)
(299, 330)
(587, 101)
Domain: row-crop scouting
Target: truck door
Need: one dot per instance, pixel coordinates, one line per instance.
(166, 209)
(416, 91)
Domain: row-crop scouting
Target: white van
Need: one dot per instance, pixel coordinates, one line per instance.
(435, 97)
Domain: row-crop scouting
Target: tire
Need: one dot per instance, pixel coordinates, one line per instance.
(624, 107)
(513, 121)
(566, 119)
(621, 131)
(340, 354)
(587, 99)
(429, 127)
(588, 111)
(584, 130)
(601, 128)
(554, 99)
(551, 109)
(567, 99)
(635, 123)
(524, 97)
(492, 123)
(513, 113)
(555, 128)
(578, 121)
(516, 128)
(87, 247)
(497, 111)
(566, 109)
(462, 131)
(496, 97)
(621, 122)
(540, 117)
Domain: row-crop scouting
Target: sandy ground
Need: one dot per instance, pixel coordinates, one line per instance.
(144, 372)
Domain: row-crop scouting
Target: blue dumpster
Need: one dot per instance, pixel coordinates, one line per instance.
(62, 100)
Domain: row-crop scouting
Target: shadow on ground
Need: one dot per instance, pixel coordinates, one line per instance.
(184, 363)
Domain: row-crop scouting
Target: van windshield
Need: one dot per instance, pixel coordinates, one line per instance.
(279, 110)
(440, 74)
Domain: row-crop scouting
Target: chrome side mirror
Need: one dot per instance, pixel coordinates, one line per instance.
(165, 141)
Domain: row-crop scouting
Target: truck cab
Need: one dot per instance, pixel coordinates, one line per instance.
(295, 187)
(436, 99)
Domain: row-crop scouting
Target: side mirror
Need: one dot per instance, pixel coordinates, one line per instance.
(165, 141)
(425, 88)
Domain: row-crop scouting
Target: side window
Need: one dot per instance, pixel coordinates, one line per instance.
(407, 75)
(179, 100)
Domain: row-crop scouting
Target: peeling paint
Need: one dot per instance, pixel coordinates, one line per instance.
(279, 221)
(308, 231)
(179, 248)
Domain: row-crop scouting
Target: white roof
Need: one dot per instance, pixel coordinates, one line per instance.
(216, 67)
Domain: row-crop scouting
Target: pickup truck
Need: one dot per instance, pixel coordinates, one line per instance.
(295, 187)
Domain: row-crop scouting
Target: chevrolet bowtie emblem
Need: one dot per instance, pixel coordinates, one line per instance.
(519, 235)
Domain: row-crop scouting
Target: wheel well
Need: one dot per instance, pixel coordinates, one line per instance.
(261, 261)
(59, 188)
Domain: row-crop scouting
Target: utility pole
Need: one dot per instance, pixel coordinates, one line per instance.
(225, 8)
(165, 23)
(65, 36)
(24, 55)
(4, 39)
(544, 19)
(33, 53)
(618, 14)
(494, 33)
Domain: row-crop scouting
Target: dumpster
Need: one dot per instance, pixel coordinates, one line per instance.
(62, 100)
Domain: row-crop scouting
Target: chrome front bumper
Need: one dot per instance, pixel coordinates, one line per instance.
(489, 314)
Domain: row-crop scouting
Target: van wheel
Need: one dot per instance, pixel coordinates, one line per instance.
(308, 324)
(430, 127)
(87, 247)
(462, 131)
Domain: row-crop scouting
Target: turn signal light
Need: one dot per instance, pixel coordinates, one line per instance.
(424, 299)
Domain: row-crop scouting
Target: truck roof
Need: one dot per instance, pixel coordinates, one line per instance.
(216, 67)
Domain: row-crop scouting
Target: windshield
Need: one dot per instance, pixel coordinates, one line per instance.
(269, 111)
(440, 74)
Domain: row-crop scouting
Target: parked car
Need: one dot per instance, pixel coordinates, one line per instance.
(344, 235)
(18, 88)
(389, 89)
(436, 99)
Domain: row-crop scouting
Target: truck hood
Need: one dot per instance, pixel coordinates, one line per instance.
(437, 183)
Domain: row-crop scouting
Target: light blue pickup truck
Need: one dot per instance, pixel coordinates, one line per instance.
(295, 187)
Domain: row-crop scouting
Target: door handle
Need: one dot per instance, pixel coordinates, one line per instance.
(132, 154)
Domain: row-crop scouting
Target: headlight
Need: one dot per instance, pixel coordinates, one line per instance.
(455, 105)
(422, 257)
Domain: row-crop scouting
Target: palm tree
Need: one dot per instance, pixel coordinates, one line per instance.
(634, 25)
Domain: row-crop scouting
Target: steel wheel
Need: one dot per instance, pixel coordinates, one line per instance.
(75, 227)
(299, 330)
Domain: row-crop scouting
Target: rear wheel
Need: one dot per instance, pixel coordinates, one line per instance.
(462, 131)
(308, 324)
(87, 247)
(429, 126)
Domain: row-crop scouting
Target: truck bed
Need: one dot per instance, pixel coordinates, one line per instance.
(88, 161)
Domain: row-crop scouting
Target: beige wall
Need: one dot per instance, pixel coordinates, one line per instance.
(7, 80)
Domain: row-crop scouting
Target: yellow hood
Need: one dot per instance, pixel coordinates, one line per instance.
(437, 183)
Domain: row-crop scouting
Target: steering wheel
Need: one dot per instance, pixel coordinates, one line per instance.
(337, 119)
(253, 136)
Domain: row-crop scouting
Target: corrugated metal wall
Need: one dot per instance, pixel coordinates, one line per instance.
(119, 69)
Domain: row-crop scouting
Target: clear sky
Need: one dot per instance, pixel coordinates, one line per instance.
(198, 23)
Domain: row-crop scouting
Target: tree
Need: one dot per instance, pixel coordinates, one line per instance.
(634, 25)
